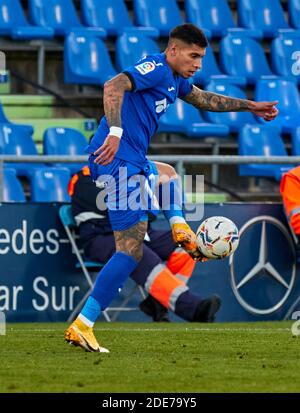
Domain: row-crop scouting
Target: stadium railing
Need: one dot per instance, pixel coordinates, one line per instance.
(178, 161)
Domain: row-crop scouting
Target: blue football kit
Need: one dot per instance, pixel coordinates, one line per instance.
(154, 88)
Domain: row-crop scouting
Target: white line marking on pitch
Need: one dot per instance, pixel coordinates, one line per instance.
(187, 330)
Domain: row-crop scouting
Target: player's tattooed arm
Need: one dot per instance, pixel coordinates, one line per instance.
(215, 102)
(130, 241)
(113, 95)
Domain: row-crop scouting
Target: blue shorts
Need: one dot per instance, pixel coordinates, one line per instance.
(128, 191)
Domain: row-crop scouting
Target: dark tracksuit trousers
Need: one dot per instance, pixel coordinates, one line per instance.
(163, 271)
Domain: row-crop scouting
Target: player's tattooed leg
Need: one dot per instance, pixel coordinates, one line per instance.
(130, 241)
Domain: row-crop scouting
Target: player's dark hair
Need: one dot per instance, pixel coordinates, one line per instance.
(190, 34)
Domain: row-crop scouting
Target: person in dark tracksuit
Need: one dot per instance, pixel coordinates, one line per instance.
(166, 292)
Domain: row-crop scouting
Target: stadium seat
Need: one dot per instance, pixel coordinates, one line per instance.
(294, 13)
(289, 101)
(296, 142)
(112, 16)
(12, 188)
(64, 141)
(61, 16)
(185, 119)
(131, 48)
(234, 120)
(216, 16)
(210, 70)
(4, 119)
(15, 140)
(161, 14)
(285, 56)
(243, 56)
(69, 224)
(262, 140)
(14, 24)
(266, 15)
(86, 60)
(50, 185)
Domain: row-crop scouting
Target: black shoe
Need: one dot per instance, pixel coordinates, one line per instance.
(154, 309)
(206, 310)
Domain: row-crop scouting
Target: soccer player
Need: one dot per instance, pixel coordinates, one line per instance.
(133, 102)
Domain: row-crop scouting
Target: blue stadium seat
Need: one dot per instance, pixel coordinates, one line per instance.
(185, 119)
(60, 16)
(13, 23)
(15, 140)
(289, 101)
(3, 119)
(294, 13)
(214, 15)
(243, 56)
(131, 48)
(266, 15)
(296, 142)
(86, 60)
(50, 185)
(285, 56)
(262, 140)
(12, 188)
(162, 14)
(64, 141)
(210, 70)
(234, 120)
(112, 16)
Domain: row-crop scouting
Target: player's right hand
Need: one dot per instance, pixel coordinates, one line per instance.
(107, 151)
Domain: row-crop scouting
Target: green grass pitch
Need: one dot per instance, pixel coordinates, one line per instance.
(153, 357)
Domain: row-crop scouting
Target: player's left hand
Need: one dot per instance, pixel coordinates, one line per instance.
(265, 110)
(108, 150)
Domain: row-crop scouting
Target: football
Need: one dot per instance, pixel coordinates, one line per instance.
(217, 237)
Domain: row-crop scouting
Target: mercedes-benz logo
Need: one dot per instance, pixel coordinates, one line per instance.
(264, 265)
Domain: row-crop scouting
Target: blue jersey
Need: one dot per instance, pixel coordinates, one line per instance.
(155, 87)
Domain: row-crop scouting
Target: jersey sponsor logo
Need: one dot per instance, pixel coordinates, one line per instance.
(145, 67)
(171, 88)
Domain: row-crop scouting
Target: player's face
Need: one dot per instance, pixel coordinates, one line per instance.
(188, 59)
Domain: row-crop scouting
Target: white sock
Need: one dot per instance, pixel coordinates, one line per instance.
(176, 220)
(86, 321)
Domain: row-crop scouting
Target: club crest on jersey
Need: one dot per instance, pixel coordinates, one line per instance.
(145, 67)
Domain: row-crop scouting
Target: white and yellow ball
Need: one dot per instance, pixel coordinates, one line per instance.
(217, 237)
